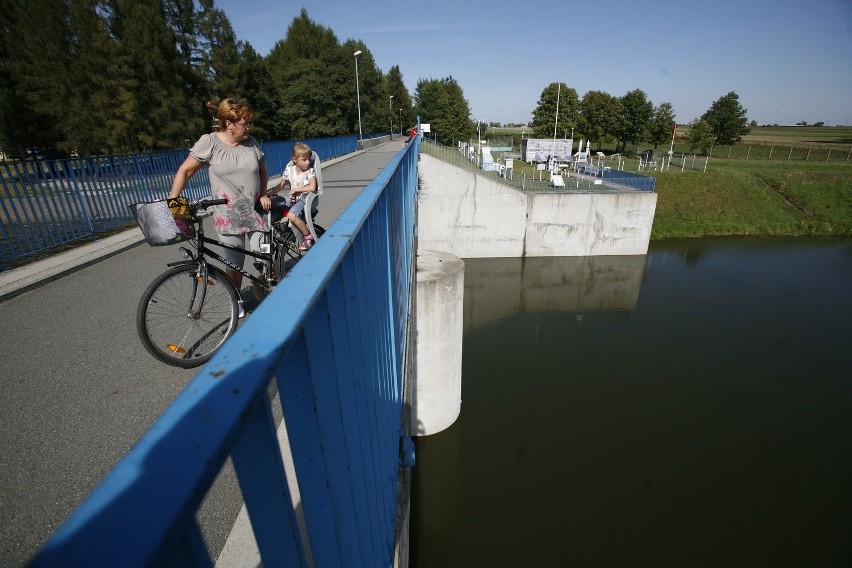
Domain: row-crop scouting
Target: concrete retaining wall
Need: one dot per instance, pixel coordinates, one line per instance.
(476, 216)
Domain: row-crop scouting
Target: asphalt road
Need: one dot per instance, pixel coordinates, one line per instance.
(77, 388)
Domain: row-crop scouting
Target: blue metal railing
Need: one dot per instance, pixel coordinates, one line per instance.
(332, 336)
(46, 203)
(279, 153)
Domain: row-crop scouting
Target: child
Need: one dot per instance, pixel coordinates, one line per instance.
(301, 178)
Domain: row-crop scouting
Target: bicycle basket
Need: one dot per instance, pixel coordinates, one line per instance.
(164, 222)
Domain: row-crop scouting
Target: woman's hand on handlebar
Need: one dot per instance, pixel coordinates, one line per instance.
(265, 202)
(205, 202)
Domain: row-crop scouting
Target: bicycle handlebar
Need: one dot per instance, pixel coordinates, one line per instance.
(205, 202)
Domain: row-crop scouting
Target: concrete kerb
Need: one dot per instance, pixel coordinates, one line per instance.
(24, 278)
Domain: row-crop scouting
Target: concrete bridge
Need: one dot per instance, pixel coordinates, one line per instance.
(78, 389)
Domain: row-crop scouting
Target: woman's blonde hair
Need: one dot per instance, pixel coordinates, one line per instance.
(232, 111)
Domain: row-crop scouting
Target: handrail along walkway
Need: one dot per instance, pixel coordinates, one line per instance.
(333, 336)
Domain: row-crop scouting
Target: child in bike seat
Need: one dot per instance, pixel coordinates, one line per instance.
(300, 176)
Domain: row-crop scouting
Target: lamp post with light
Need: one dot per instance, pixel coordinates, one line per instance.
(400, 121)
(358, 93)
(390, 110)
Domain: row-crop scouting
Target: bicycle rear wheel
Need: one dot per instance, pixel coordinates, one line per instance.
(182, 320)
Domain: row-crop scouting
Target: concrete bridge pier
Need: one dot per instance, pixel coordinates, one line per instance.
(436, 392)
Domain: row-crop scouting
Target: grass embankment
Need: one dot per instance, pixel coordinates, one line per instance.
(740, 197)
(782, 180)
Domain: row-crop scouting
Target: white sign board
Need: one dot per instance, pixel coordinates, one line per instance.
(425, 128)
(540, 149)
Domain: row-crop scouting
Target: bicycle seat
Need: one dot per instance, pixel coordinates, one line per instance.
(279, 208)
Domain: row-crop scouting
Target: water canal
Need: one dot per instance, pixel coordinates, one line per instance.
(691, 408)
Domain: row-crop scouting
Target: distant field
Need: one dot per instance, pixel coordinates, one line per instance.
(841, 135)
(802, 134)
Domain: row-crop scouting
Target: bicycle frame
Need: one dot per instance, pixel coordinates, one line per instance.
(204, 252)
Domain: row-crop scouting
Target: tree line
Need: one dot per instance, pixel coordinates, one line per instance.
(118, 76)
(632, 119)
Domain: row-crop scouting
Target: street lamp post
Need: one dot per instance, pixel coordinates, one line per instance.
(400, 121)
(390, 110)
(479, 122)
(358, 93)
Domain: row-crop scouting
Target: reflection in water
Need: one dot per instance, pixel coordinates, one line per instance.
(496, 288)
(705, 421)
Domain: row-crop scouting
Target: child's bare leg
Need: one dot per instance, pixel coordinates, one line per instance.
(299, 224)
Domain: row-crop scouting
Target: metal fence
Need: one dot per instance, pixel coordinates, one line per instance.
(782, 152)
(47, 203)
(596, 176)
(337, 355)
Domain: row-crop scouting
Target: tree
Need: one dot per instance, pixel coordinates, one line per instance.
(635, 119)
(222, 64)
(544, 115)
(598, 116)
(106, 76)
(662, 125)
(401, 99)
(441, 103)
(371, 81)
(700, 135)
(36, 51)
(167, 106)
(101, 104)
(727, 119)
(315, 77)
(262, 95)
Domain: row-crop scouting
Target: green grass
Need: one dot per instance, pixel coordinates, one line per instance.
(780, 180)
(738, 197)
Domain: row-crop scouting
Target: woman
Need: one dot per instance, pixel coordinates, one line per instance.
(237, 173)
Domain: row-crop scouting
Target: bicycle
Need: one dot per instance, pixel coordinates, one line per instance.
(188, 312)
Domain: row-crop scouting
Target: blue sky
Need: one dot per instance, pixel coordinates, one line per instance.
(789, 61)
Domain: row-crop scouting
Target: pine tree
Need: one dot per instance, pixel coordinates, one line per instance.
(374, 103)
(166, 102)
(260, 91)
(101, 90)
(36, 52)
(315, 81)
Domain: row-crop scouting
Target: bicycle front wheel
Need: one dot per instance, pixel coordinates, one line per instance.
(184, 320)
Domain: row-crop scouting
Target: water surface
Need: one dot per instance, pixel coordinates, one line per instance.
(688, 408)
